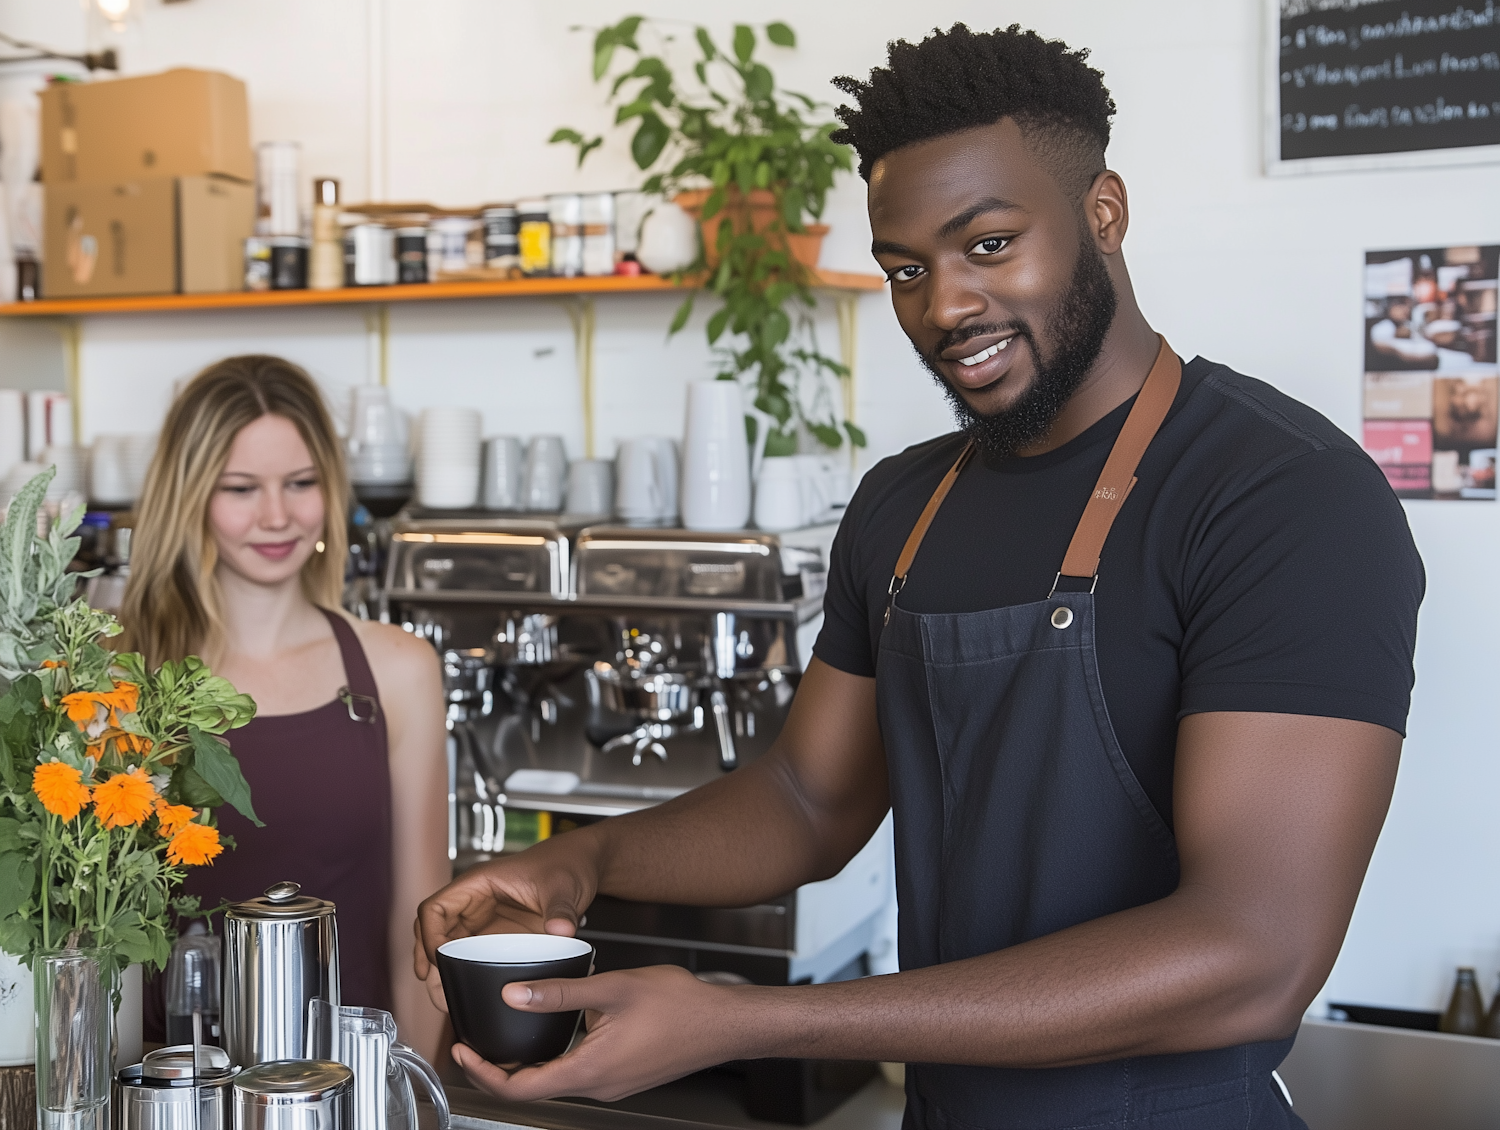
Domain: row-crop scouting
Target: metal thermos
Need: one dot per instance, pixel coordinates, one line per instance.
(280, 951)
(294, 1094)
(162, 1092)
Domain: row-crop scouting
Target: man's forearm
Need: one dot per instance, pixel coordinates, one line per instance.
(1172, 976)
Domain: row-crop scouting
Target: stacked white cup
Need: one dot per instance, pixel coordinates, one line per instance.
(449, 459)
(377, 439)
(139, 450)
(109, 481)
(72, 465)
(12, 429)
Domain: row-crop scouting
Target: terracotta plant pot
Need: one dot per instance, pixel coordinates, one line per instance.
(758, 214)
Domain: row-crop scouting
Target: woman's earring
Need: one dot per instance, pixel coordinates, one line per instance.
(320, 547)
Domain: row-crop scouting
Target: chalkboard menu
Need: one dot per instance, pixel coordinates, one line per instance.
(1362, 83)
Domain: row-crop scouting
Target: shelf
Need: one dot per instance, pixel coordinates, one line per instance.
(846, 281)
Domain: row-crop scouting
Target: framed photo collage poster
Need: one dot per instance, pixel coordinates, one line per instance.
(1431, 390)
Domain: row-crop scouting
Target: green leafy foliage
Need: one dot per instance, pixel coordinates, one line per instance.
(734, 132)
(69, 698)
(217, 766)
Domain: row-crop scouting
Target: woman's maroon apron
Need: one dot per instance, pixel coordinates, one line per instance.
(321, 782)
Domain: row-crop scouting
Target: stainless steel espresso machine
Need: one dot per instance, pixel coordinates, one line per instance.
(595, 671)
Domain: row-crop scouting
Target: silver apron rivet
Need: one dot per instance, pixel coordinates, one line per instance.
(1062, 617)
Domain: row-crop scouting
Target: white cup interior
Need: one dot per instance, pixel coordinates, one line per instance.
(514, 949)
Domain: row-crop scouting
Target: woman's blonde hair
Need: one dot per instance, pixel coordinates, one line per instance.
(171, 606)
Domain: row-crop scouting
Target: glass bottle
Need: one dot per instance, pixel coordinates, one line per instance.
(1492, 1021)
(1465, 1013)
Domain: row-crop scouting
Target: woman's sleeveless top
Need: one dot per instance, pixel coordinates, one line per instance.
(321, 783)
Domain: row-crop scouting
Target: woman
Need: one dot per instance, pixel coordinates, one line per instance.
(238, 556)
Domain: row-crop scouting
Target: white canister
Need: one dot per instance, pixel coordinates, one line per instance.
(17, 1013)
(781, 494)
(715, 458)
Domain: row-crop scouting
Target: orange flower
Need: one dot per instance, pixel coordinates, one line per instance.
(53, 663)
(83, 706)
(172, 818)
(194, 844)
(60, 788)
(125, 799)
(121, 700)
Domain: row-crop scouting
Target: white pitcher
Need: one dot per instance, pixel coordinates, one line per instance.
(716, 458)
(17, 1013)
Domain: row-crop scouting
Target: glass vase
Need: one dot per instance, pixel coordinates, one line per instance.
(74, 1039)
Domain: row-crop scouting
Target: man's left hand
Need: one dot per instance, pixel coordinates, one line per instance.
(645, 1027)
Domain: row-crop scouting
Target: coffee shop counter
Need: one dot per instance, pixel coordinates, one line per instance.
(709, 1101)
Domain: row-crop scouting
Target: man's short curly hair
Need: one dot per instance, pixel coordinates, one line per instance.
(958, 79)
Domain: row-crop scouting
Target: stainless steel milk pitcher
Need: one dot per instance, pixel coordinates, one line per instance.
(281, 951)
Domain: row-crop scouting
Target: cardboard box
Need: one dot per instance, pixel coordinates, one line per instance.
(174, 124)
(155, 235)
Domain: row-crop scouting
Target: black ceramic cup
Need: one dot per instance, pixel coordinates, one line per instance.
(474, 970)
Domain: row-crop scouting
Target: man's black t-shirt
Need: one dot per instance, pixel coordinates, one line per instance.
(1261, 563)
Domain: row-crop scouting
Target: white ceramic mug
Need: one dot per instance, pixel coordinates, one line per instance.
(546, 471)
(780, 494)
(109, 482)
(817, 474)
(374, 421)
(716, 458)
(591, 487)
(639, 494)
(503, 467)
(668, 471)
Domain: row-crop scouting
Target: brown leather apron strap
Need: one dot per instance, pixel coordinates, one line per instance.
(1118, 477)
(1082, 559)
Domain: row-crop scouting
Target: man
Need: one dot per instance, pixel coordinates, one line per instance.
(1138, 714)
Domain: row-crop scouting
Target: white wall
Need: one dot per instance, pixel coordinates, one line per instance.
(1263, 274)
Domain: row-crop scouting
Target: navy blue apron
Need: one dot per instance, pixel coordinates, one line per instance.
(1017, 815)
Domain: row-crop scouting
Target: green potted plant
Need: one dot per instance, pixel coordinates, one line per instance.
(752, 162)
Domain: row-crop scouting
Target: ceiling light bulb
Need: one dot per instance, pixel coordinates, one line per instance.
(114, 10)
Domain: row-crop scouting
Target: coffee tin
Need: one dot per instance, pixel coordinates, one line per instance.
(534, 237)
(411, 255)
(257, 263)
(502, 246)
(369, 255)
(288, 262)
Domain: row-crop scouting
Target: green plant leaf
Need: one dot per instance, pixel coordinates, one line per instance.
(571, 136)
(187, 787)
(604, 51)
(717, 323)
(759, 82)
(744, 42)
(625, 31)
(781, 35)
(217, 766)
(778, 327)
(826, 434)
(781, 442)
(17, 882)
(649, 140)
(680, 319)
(706, 44)
(856, 435)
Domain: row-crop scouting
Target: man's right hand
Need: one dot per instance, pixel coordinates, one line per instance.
(544, 889)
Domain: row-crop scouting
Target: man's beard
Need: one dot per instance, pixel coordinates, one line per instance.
(1076, 326)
